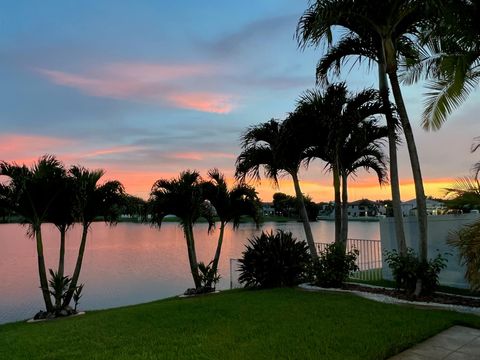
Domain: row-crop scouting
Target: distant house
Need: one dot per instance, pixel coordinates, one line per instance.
(268, 209)
(434, 207)
(362, 208)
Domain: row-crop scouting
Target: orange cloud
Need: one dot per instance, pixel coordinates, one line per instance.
(151, 83)
(201, 155)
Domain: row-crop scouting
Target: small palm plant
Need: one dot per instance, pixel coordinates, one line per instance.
(58, 287)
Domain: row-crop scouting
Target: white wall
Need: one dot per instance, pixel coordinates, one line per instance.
(438, 230)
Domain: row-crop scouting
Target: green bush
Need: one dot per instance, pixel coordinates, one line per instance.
(274, 260)
(334, 265)
(408, 269)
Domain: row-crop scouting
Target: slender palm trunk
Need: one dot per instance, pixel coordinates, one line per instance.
(415, 164)
(42, 273)
(219, 247)
(338, 208)
(61, 255)
(192, 256)
(78, 266)
(392, 152)
(344, 229)
(304, 216)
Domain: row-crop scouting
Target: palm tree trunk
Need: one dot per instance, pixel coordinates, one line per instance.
(415, 164)
(192, 256)
(337, 209)
(42, 273)
(344, 228)
(61, 255)
(392, 152)
(78, 266)
(304, 216)
(219, 247)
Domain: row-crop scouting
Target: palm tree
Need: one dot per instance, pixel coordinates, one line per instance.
(267, 145)
(365, 49)
(230, 205)
(392, 23)
(184, 198)
(92, 201)
(362, 150)
(31, 194)
(354, 138)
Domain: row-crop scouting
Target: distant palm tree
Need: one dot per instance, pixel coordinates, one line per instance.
(31, 193)
(230, 205)
(267, 145)
(392, 23)
(92, 201)
(184, 198)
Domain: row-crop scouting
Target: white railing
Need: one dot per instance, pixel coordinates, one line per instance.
(369, 259)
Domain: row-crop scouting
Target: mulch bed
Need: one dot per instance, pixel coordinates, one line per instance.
(435, 298)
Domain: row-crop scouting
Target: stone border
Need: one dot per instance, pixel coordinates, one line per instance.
(392, 300)
(32, 321)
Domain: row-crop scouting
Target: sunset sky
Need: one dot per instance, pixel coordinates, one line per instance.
(146, 89)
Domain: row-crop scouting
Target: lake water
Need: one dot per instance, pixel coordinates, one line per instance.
(129, 263)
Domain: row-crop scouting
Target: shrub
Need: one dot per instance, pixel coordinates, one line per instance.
(334, 265)
(408, 269)
(208, 276)
(274, 260)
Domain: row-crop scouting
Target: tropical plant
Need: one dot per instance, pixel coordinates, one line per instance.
(334, 265)
(209, 276)
(92, 201)
(77, 294)
(269, 146)
(229, 205)
(354, 138)
(365, 49)
(274, 260)
(31, 193)
(409, 269)
(184, 198)
(390, 25)
(59, 285)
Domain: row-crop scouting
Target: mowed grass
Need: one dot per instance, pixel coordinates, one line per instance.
(239, 324)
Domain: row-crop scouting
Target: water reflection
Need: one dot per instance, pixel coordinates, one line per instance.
(129, 263)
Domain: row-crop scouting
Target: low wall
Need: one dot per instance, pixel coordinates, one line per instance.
(438, 230)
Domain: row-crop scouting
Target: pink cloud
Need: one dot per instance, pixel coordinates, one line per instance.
(151, 83)
(27, 148)
(201, 155)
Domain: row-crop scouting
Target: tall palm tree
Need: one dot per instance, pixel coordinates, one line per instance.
(267, 145)
(392, 22)
(31, 193)
(92, 201)
(184, 198)
(230, 205)
(364, 49)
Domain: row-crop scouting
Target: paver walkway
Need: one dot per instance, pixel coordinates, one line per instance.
(456, 343)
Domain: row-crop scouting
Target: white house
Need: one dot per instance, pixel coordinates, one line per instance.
(433, 207)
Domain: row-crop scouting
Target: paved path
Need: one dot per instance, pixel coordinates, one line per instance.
(456, 343)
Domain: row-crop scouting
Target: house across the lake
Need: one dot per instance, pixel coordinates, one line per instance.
(363, 208)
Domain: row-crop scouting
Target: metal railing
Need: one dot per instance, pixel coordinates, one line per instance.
(369, 260)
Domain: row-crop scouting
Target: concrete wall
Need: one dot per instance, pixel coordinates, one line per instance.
(438, 230)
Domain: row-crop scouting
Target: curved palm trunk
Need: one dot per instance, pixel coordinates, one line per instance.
(42, 273)
(337, 209)
(344, 228)
(192, 256)
(415, 164)
(219, 247)
(392, 153)
(61, 255)
(78, 266)
(304, 216)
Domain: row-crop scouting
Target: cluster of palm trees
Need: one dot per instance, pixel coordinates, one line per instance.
(46, 192)
(408, 40)
(332, 125)
(189, 197)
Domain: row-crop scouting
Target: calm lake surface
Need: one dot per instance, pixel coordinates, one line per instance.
(129, 263)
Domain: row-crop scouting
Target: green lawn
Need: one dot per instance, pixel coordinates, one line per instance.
(239, 324)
